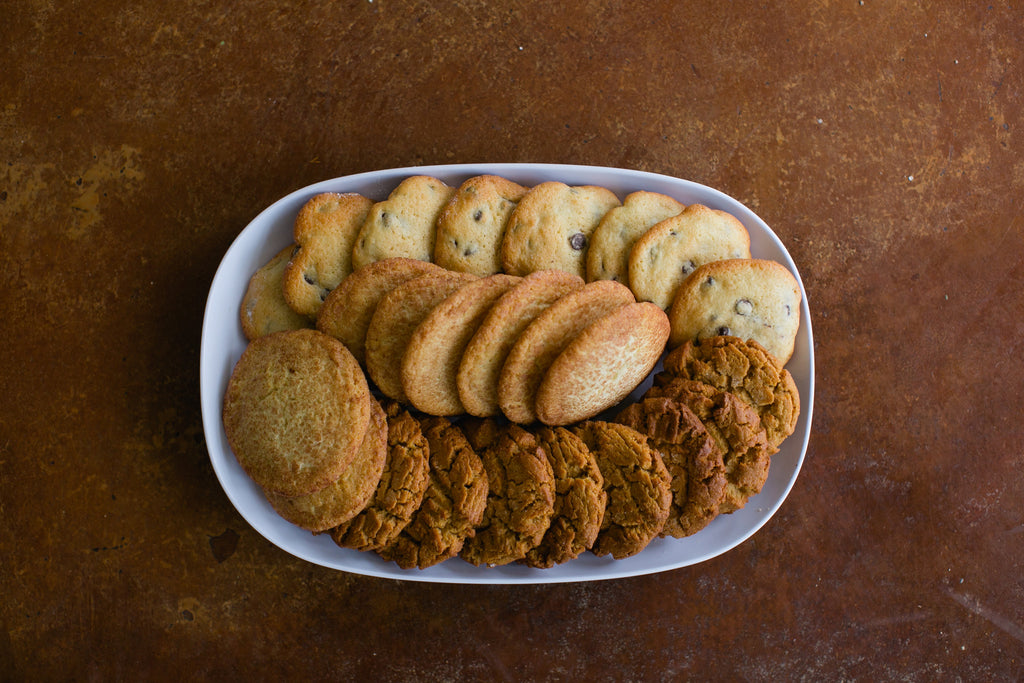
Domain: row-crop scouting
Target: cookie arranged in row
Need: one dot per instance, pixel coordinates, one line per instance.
(488, 225)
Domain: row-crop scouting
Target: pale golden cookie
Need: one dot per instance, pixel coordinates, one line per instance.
(602, 365)
(746, 298)
(432, 358)
(404, 224)
(295, 411)
(546, 337)
(666, 254)
(397, 316)
(485, 355)
(344, 498)
(264, 310)
(551, 228)
(472, 225)
(347, 312)
(325, 231)
(608, 256)
(637, 484)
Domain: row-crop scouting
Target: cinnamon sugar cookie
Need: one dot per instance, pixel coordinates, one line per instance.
(637, 484)
(454, 503)
(264, 310)
(471, 226)
(485, 355)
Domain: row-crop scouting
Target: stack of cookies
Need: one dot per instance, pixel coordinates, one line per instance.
(425, 374)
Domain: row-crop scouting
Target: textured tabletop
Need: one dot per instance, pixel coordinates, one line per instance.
(881, 141)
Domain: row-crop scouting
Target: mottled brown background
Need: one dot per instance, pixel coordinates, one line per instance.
(881, 141)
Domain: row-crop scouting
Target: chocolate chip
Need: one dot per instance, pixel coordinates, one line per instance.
(478, 215)
(723, 330)
(578, 241)
(469, 251)
(385, 218)
(744, 307)
(709, 282)
(308, 278)
(789, 311)
(688, 267)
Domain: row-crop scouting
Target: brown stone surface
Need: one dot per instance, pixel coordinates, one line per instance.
(881, 141)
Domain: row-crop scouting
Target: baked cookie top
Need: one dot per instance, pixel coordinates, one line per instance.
(404, 224)
(485, 354)
(344, 498)
(551, 228)
(637, 484)
(325, 231)
(747, 370)
(736, 430)
(454, 503)
(431, 361)
(666, 254)
(347, 312)
(471, 226)
(691, 458)
(295, 412)
(603, 364)
(546, 337)
(397, 316)
(264, 310)
(520, 499)
(400, 492)
(580, 499)
(608, 255)
(747, 298)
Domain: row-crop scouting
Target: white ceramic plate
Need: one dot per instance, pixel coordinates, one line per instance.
(223, 343)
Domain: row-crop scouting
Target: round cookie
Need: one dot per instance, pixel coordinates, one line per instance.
(397, 316)
(637, 484)
(400, 491)
(471, 226)
(602, 365)
(295, 411)
(404, 224)
(325, 230)
(546, 337)
(608, 255)
(454, 503)
(264, 310)
(431, 361)
(746, 298)
(520, 499)
(551, 228)
(484, 356)
(736, 430)
(666, 254)
(747, 370)
(691, 457)
(344, 498)
(580, 499)
(347, 312)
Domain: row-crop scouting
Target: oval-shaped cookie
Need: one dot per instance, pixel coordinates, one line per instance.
(580, 499)
(666, 254)
(404, 224)
(602, 365)
(432, 358)
(551, 228)
(400, 491)
(344, 498)
(691, 457)
(264, 310)
(397, 316)
(484, 356)
(546, 337)
(637, 484)
(295, 411)
(608, 255)
(471, 226)
(520, 499)
(325, 231)
(347, 312)
(747, 370)
(453, 505)
(746, 298)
